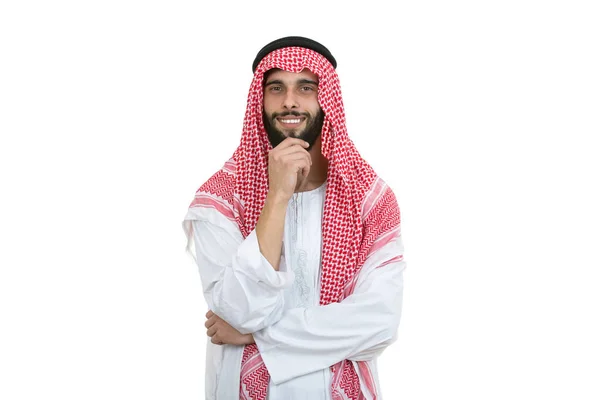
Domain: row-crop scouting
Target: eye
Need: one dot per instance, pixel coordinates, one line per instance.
(307, 88)
(275, 88)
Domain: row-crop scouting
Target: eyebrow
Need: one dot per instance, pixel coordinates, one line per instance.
(308, 81)
(299, 82)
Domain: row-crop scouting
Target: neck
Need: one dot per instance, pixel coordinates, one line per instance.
(318, 169)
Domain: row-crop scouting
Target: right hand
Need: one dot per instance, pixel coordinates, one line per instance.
(220, 332)
(288, 162)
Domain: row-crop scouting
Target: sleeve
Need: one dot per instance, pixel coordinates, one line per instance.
(239, 284)
(358, 328)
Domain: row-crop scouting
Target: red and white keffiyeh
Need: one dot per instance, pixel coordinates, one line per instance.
(360, 210)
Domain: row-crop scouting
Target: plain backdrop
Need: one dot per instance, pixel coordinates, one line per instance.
(482, 116)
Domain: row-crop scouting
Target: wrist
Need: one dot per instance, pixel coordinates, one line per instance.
(249, 339)
(277, 198)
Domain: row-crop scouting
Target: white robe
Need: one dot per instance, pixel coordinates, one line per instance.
(298, 339)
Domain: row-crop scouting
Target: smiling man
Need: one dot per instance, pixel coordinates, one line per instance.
(298, 243)
(292, 91)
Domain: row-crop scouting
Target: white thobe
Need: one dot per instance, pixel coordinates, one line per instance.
(298, 339)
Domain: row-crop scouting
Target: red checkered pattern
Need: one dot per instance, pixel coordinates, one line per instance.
(349, 228)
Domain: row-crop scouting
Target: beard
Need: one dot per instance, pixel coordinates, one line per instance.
(314, 125)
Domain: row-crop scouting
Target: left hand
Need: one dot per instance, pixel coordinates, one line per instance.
(220, 332)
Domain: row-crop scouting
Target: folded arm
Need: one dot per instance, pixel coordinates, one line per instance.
(239, 283)
(359, 328)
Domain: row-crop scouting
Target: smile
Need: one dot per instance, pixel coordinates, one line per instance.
(290, 120)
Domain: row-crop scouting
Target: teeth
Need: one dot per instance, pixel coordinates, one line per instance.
(291, 121)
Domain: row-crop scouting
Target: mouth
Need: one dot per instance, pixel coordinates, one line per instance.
(289, 122)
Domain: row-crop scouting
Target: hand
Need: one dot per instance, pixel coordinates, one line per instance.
(288, 162)
(221, 332)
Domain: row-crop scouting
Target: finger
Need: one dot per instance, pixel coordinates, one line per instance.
(211, 321)
(291, 154)
(301, 165)
(211, 331)
(290, 141)
(215, 340)
(301, 152)
(296, 148)
(296, 157)
(209, 314)
(299, 156)
(309, 157)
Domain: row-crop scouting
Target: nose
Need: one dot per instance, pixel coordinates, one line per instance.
(290, 101)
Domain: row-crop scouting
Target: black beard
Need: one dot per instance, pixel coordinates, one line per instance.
(309, 134)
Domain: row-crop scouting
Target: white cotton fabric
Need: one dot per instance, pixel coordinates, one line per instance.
(298, 339)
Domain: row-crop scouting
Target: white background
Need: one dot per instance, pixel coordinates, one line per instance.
(481, 115)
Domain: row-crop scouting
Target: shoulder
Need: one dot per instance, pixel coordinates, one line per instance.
(379, 200)
(222, 182)
(217, 194)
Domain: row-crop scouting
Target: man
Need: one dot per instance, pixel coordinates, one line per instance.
(298, 243)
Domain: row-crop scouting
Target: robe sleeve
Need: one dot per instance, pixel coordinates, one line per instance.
(358, 328)
(239, 283)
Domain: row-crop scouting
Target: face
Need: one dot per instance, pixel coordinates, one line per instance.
(291, 107)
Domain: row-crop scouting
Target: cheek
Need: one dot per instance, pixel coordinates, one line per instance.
(313, 106)
(314, 111)
(268, 106)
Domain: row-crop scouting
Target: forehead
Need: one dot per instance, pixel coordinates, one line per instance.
(290, 77)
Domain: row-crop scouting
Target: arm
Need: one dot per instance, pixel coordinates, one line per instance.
(245, 289)
(269, 228)
(289, 163)
(239, 283)
(359, 328)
